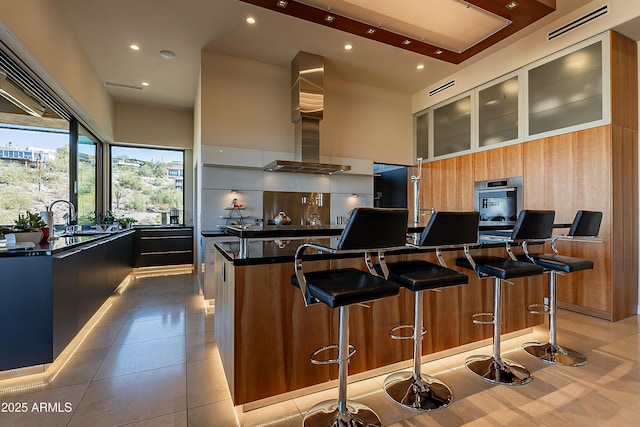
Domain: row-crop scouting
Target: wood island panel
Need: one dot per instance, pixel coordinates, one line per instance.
(272, 332)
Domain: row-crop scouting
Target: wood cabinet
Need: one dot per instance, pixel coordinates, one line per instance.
(163, 246)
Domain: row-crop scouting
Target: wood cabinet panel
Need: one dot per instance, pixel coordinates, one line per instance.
(498, 163)
(624, 230)
(624, 81)
(448, 184)
(567, 173)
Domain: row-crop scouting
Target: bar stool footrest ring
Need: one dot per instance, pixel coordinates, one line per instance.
(393, 335)
(476, 318)
(316, 361)
(539, 309)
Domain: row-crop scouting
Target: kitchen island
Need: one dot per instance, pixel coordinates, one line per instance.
(265, 334)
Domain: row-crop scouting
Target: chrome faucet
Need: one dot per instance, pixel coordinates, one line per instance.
(69, 219)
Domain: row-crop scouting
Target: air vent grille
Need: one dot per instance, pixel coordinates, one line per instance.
(576, 23)
(29, 83)
(122, 85)
(442, 88)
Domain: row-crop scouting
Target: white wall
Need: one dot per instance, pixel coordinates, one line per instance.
(247, 104)
(155, 126)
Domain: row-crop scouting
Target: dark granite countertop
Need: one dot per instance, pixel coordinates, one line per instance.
(60, 244)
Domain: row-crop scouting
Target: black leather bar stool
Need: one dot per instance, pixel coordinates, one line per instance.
(415, 390)
(585, 228)
(368, 230)
(531, 226)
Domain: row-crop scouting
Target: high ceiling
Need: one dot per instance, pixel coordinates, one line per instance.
(106, 29)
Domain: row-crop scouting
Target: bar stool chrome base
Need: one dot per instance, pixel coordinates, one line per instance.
(555, 354)
(327, 414)
(498, 371)
(420, 393)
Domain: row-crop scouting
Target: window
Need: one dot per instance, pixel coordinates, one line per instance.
(87, 173)
(34, 167)
(146, 183)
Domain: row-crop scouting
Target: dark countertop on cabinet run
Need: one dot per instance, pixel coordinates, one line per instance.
(60, 244)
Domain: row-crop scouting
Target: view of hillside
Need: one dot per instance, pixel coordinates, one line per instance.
(30, 179)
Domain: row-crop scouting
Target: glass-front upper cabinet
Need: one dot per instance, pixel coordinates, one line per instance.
(567, 90)
(452, 127)
(498, 110)
(421, 129)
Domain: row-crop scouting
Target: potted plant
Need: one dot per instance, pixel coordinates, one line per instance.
(126, 222)
(29, 228)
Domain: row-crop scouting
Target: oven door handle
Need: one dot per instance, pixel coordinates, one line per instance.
(496, 190)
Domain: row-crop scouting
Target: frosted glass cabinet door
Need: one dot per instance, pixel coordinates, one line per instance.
(422, 135)
(566, 91)
(452, 127)
(498, 112)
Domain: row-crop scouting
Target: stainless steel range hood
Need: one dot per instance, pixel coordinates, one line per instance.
(307, 107)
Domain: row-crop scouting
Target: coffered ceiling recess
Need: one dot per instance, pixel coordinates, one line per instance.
(449, 30)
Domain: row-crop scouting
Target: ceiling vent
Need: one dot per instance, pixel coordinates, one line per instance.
(442, 88)
(577, 23)
(122, 85)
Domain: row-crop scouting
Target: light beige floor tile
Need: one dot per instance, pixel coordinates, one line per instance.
(81, 368)
(130, 398)
(150, 330)
(156, 312)
(116, 315)
(177, 419)
(199, 323)
(284, 414)
(206, 383)
(201, 346)
(143, 356)
(58, 410)
(219, 414)
(149, 300)
(101, 336)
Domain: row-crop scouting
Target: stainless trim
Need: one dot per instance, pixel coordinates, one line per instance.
(305, 167)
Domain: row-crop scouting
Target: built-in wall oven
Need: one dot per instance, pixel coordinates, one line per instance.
(499, 201)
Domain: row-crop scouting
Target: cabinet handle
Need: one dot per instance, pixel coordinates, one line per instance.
(223, 276)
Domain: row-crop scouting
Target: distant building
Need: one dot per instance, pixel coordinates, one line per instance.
(175, 171)
(30, 154)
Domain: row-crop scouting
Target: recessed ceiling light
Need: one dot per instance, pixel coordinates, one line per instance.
(512, 5)
(134, 47)
(371, 31)
(145, 84)
(329, 18)
(348, 46)
(167, 54)
(439, 52)
(251, 20)
(406, 42)
(282, 3)
(420, 66)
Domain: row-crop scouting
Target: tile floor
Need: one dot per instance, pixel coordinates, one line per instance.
(152, 361)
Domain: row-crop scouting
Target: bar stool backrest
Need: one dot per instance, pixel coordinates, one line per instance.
(586, 223)
(374, 228)
(533, 225)
(451, 228)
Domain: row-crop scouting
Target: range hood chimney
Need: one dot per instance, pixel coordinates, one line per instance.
(307, 107)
